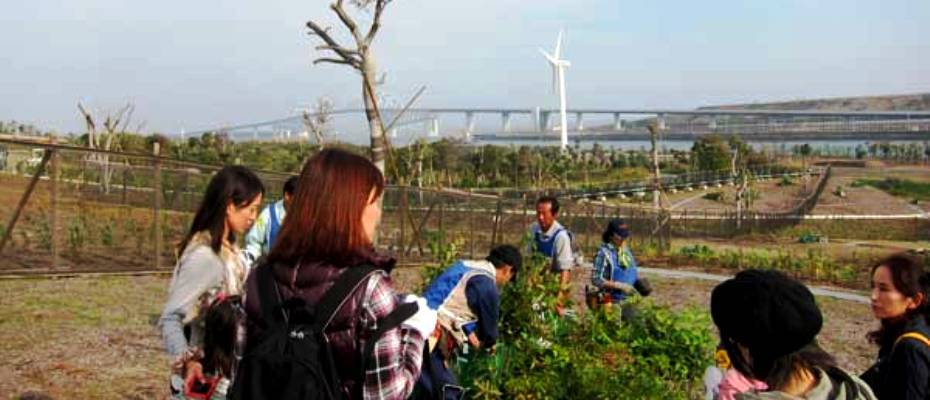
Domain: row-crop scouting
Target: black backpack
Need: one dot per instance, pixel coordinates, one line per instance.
(292, 359)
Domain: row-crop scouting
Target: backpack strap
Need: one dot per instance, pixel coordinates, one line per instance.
(268, 295)
(400, 314)
(337, 295)
(914, 335)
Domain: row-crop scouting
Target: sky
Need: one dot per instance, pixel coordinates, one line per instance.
(201, 64)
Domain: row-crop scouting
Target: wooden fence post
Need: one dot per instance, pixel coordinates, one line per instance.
(403, 217)
(125, 183)
(156, 150)
(471, 224)
(53, 216)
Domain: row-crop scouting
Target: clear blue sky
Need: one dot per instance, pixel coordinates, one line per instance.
(198, 64)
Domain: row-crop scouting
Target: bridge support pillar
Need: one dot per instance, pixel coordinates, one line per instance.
(469, 125)
(579, 122)
(660, 122)
(505, 122)
(434, 127)
(618, 123)
(544, 121)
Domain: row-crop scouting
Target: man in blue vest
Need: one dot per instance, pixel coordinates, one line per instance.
(261, 237)
(466, 299)
(553, 241)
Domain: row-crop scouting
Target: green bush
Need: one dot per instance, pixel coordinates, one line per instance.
(656, 354)
(77, 233)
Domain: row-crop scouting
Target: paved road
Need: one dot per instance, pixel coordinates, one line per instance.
(817, 290)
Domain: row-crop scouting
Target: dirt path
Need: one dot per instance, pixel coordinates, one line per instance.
(845, 322)
(96, 337)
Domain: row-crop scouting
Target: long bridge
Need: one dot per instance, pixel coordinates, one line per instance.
(489, 124)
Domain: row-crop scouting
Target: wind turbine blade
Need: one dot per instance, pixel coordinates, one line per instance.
(552, 60)
(558, 46)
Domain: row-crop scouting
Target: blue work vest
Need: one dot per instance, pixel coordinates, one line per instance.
(546, 247)
(618, 271)
(274, 228)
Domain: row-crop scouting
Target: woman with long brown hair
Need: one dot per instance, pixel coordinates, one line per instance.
(328, 231)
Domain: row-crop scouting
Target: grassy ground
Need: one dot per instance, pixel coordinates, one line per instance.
(82, 338)
(96, 338)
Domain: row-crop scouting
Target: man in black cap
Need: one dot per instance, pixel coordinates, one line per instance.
(768, 326)
(467, 302)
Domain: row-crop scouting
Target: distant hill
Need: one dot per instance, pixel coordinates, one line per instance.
(908, 102)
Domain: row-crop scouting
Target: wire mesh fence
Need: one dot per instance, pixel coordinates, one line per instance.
(101, 211)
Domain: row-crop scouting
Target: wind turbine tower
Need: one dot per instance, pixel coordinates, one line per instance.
(558, 84)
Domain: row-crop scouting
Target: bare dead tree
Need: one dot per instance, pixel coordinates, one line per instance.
(318, 122)
(113, 125)
(742, 178)
(360, 58)
(663, 215)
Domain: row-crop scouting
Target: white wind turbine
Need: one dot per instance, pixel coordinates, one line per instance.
(558, 83)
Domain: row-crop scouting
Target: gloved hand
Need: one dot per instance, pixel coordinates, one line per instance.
(626, 288)
(424, 321)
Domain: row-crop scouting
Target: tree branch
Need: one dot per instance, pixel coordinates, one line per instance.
(351, 63)
(337, 49)
(91, 127)
(376, 22)
(346, 20)
(344, 53)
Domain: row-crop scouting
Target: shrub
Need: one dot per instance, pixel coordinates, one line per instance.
(655, 354)
(77, 233)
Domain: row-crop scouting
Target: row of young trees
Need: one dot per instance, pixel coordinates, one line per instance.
(902, 152)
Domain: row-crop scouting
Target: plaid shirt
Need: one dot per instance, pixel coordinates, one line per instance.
(399, 352)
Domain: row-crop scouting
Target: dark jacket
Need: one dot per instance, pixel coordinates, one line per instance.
(309, 282)
(902, 371)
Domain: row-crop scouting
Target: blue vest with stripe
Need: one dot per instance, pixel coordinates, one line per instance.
(617, 271)
(442, 288)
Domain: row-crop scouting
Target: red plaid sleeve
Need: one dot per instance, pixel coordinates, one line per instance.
(397, 354)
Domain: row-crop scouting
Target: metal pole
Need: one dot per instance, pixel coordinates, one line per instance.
(22, 201)
(156, 150)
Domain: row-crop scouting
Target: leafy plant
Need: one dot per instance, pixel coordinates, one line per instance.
(654, 354)
(785, 181)
(107, 234)
(77, 233)
(43, 234)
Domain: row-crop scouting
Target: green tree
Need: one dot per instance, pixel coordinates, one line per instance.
(711, 153)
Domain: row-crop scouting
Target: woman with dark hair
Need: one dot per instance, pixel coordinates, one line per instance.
(329, 229)
(768, 324)
(615, 270)
(209, 266)
(899, 301)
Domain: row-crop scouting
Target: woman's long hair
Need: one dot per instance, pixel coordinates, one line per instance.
(324, 221)
(233, 184)
(909, 278)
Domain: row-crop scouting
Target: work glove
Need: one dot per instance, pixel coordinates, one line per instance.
(424, 321)
(626, 288)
